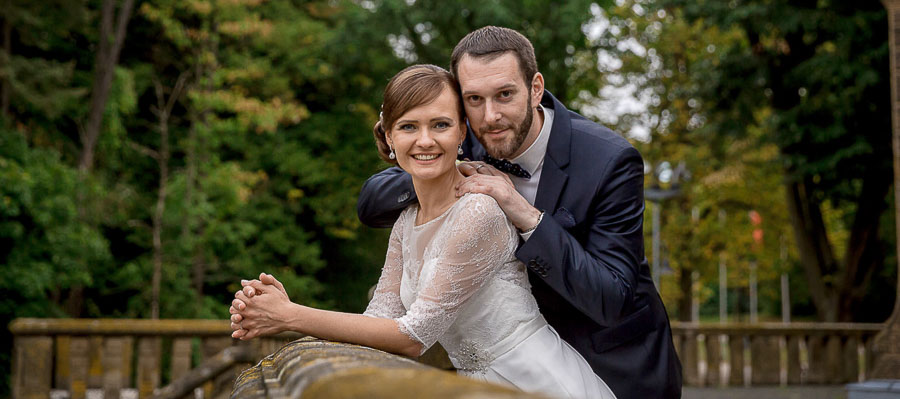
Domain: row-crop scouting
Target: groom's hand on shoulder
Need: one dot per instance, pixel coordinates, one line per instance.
(467, 167)
(485, 179)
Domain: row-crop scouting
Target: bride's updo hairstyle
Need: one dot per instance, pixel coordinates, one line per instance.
(412, 87)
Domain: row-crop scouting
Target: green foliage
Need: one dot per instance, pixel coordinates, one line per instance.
(45, 247)
(821, 70)
(427, 31)
(754, 97)
(822, 66)
(660, 58)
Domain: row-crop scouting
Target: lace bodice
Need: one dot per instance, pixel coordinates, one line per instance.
(456, 280)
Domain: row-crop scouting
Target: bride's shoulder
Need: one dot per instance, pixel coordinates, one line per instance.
(479, 205)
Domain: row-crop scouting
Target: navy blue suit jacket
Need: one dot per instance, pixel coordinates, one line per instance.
(586, 258)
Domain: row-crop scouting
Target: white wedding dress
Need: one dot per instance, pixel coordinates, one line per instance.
(456, 280)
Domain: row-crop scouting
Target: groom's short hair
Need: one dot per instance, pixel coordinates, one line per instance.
(491, 42)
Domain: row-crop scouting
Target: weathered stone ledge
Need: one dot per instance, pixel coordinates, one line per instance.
(312, 368)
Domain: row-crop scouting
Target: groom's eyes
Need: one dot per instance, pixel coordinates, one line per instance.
(504, 95)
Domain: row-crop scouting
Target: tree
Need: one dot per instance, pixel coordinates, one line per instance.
(426, 32)
(654, 59)
(113, 27)
(819, 68)
(37, 72)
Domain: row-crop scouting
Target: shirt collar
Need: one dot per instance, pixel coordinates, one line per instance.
(532, 158)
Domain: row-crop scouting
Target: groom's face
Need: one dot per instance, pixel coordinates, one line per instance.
(498, 103)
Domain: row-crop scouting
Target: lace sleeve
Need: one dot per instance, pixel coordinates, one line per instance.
(385, 302)
(476, 241)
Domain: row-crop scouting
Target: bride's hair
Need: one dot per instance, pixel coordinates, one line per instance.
(414, 86)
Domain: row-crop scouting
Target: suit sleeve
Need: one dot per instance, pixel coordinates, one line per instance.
(384, 196)
(598, 275)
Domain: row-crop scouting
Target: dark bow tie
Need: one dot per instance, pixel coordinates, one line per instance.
(507, 167)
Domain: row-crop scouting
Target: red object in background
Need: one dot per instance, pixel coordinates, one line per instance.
(757, 236)
(756, 220)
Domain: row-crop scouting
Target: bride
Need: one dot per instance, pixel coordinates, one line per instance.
(450, 274)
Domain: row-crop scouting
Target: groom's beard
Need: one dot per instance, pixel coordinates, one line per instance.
(506, 149)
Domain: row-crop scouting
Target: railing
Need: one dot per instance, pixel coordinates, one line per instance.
(72, 358)
(736, 354)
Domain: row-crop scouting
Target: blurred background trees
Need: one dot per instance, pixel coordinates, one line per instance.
(233, 137)
(776, 107)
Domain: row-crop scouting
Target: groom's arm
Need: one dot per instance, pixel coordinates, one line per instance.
(384, 196)
(599, 274)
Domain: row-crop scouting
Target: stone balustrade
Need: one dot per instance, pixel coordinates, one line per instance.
(741, 354)
(70, 358)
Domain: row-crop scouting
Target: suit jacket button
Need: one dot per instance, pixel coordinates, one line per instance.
(403, 197)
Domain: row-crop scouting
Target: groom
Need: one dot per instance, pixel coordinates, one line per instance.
(574, 190)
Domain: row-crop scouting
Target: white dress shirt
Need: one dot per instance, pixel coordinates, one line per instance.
(532, 160)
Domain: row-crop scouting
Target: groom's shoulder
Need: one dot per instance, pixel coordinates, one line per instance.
(591, 139)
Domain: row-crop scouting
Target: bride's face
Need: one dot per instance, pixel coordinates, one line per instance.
(425, 138)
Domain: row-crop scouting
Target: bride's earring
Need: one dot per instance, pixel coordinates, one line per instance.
(391, 155)
(459, 149)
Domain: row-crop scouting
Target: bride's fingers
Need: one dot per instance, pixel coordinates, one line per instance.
(240, 333)
(244, 301)
(260, 287)
(246, 283)
(270, 279)
(236, 318)
(250, 334)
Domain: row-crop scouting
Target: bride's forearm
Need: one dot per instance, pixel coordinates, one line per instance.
(378, 333)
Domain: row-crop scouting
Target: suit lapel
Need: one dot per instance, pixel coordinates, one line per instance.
(553, 175)
(553, 180)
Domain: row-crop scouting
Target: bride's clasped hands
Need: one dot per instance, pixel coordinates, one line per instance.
(261, 307)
